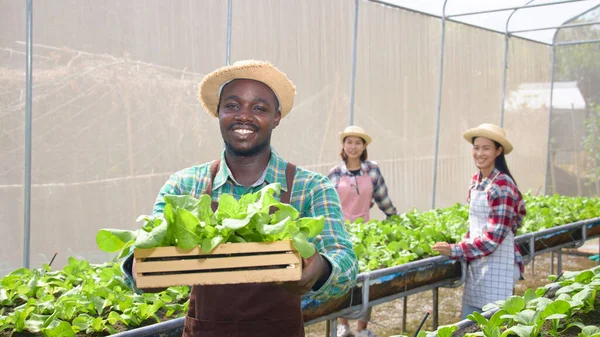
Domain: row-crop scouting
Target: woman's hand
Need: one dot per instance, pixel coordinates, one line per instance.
(443, 248)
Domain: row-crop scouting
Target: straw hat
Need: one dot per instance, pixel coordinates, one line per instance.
(356, 131)
(491, 131)
(261, 71)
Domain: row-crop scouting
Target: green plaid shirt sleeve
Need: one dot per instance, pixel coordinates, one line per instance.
(320, 198)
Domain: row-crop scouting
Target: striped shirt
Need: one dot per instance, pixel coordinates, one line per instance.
(380, 190)
(312, 195)
(507, 210)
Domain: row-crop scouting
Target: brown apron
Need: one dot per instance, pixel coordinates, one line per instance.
(250, 310)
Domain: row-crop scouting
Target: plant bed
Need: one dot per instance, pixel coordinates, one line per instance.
(385, 286)
(593, 230)
(377, 244)
(572, 309)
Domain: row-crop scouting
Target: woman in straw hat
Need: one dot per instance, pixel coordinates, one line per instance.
(496, 212)
(360, 184)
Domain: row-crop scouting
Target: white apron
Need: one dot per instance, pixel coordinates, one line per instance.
(489, 278)
(356, 193)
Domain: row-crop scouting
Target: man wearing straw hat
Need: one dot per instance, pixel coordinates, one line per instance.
(250, 98)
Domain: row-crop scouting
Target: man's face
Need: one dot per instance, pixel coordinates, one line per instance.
(248, 113)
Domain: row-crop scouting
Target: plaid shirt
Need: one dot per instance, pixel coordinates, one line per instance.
(380, 190)
(312, 195)
(507, 210)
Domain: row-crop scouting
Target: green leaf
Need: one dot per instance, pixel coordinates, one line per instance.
(520, 330)
(152, 239)
(228, 208)
(556, 307)
(514, 304)
(185, 229)
(529, 295)
(208, 244)
(35, 323)
(301, 244)
(80, 323)
(590, 330)
(113, 240)
(446, 331)
(313, 225)
(205, 212)
(584, 276)
(62, 330)
(267, 229)
(235, 224)
(186, 202)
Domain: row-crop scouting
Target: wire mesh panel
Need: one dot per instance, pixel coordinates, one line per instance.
(12, 133)
(396, 86)
(526, 109)
(470, 96)
(575, 122)
(311, 42)
(114, 114)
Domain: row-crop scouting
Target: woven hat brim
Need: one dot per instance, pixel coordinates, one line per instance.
(479, 132)
(364, 136)
(210, 87)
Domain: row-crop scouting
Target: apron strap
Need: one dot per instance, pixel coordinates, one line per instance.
(290, 171)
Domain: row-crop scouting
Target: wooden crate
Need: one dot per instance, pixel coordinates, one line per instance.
(229, 263)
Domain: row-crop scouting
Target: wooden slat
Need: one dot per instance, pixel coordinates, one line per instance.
(232, 277)
(225, 248)
(217, 263)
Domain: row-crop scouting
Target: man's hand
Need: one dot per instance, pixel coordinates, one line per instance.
(442, 247)
(315, 271)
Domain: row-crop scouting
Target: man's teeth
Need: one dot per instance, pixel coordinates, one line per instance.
(244, 131)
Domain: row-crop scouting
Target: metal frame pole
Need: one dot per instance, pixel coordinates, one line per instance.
(517, 7)
(228, 44)
(28, 101)
(573, 25)
(577, 42)
(505, 67)
(354, 48)
(548, 163)
(439, 106)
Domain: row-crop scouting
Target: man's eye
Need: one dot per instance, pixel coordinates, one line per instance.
(260, 108)
(230, 106)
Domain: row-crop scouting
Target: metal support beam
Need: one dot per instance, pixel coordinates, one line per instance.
(573, 25)
(570, 43)
(439, 106)
(405, 308)
(512, 8)
(548, 144)
(28, 119)
(435, 312)
(228, 44)
(559, 262)
(505, 67)
(354, 51)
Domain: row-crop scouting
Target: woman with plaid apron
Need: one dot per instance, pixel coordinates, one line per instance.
(496, 211)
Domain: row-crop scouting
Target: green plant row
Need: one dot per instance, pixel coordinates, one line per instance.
(533, 314)
(80, 299)
(409, 236)
(92, 299)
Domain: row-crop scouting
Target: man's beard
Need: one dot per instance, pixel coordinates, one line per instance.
(248, 152)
